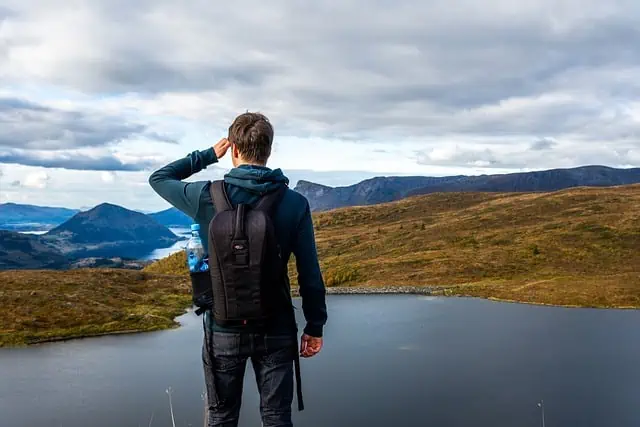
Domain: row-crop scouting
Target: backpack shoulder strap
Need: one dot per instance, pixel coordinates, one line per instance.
(219, 196)
(271, 200)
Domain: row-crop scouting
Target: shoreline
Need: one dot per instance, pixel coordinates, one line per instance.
(58, 338)
(378, 290)
(435, 291)
(447, 292)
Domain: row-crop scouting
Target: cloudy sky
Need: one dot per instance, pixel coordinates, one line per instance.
(96, 94)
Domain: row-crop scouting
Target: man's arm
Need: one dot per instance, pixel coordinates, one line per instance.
(185, 196)
(312, 289)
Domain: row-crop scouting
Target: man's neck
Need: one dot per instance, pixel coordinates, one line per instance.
(243, 163)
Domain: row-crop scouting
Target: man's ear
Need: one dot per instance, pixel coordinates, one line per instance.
(234, 151)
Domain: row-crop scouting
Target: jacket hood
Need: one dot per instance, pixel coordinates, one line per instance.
(256, 179)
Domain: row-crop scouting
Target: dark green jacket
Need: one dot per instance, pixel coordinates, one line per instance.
(246, 184)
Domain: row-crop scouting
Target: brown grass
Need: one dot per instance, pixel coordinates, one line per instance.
(574, 247)
(40, 306)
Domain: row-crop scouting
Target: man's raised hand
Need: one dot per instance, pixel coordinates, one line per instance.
(221, 147)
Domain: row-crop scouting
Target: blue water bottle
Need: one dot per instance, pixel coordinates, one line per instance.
(195, 252)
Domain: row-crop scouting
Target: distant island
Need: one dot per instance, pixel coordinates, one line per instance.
(105, 236)
(578, 247)
(388, 189)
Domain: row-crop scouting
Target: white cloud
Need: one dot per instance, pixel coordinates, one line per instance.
(353, 88)
(108, 177)
(37, 180)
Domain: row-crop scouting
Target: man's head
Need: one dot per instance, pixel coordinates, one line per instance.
(251, 136)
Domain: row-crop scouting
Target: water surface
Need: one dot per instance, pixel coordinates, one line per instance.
(160, 253)
(388, 361)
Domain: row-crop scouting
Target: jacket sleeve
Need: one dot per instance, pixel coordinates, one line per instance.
(167, 181)
(312, 288)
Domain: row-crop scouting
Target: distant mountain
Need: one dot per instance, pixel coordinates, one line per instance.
(15, 216)
(172, 217)
(24, 251)
(369, 192)
(110, 230)
(387, 189)
(549, 180)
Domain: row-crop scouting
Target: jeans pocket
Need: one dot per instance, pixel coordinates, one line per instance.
(226, 343)
(227, 351)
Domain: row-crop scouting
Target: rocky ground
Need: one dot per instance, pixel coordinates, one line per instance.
(365, 290)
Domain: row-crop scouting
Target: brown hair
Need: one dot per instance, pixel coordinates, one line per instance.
(253, 135)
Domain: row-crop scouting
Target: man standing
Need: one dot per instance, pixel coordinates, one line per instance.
(272, 347)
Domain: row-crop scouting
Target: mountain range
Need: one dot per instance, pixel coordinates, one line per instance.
(387, 189)
(107, 230)
(368, 192)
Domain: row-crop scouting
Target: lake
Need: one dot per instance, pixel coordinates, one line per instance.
(160, 253)
(395, 360)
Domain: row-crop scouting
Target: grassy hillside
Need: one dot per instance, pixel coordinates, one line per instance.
(577, 247)
(27, 251)
(46, 305)
(572, 247)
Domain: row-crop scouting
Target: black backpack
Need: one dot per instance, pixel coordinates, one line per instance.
(248, 281)
(248, 275)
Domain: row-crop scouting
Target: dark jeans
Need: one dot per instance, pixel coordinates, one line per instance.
(272, 357)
